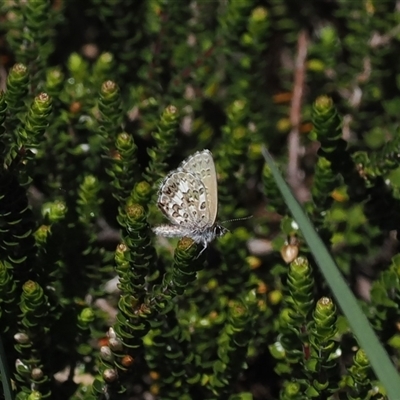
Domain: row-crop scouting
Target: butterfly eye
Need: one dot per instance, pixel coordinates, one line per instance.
(220, 230)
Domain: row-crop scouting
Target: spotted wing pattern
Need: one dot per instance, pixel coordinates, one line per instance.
(182, 198)
(201, 164)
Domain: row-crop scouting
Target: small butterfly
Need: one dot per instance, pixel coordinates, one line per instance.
(188, 196)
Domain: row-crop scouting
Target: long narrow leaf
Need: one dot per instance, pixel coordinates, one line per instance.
(5, 373)
(379, 359)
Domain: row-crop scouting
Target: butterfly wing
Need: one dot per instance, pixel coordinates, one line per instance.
(182, 197)
(201, 164)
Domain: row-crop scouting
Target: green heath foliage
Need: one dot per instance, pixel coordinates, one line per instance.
(99, 100)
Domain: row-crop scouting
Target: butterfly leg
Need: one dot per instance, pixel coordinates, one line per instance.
(202, 250)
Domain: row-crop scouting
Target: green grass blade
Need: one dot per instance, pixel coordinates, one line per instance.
(378, 357)
(5, 374)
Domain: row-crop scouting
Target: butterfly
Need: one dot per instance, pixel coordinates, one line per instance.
(188, 197)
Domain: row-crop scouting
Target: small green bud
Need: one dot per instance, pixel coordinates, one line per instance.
(106, 58)
(322, 103)
(104, 64)
(30, 287)
(259, 14)
(361, 358)
(42, 234)
(299, 266)
(325, 304)
(292, 389)
(134, 211)
(124, 141)
(55, 211)
(237, 107)
(87, 315)
(170, 113)
(19, 70)
(76, 63)
(109, 89)
(35, 395)
(143, 189)
(41, 103)
(54, 80)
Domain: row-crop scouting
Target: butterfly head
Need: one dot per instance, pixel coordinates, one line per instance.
(206, 236)
(219, 230)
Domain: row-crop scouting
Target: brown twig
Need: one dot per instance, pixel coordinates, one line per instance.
(3, 79)
(378, 40)
(293, 173)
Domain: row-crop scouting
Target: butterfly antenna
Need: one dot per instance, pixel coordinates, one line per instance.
(237, 219)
